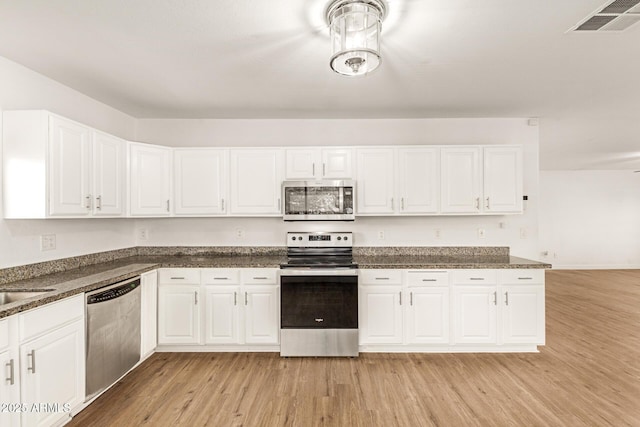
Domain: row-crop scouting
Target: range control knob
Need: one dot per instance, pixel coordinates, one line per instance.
(299, 237)
(339, 238)
(346, 237)
(293, 238)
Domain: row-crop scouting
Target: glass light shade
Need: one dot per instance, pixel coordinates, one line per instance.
(355, 36)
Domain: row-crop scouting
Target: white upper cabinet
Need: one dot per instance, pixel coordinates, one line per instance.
(109, 173)
(461, 179)
(255, 181)
(200, 185)
(318, 163)
(375, 181)
(419, 180)
(69, 161)
(55, 167)
(502, 179)
(150, 180)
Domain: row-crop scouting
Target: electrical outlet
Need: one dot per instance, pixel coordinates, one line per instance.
(523, 233)
(239, 233)
(380, 235)
(143, 234)
(481, 233)
(47, 242)
(438, 233)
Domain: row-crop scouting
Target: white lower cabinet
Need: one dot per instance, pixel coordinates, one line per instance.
(222, 318)
(10, 379)
(178, 314)
(52, 361)
(475, 314)
(261, 314)
(239, 306)
(149, 313)
(428, 315)
(380, 307)
(460, 310)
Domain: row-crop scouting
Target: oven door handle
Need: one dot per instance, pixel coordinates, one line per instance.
(319, 272)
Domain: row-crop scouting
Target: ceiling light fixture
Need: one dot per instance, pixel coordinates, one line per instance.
(355, 27)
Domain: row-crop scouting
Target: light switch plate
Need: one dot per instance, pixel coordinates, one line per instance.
(47, 242)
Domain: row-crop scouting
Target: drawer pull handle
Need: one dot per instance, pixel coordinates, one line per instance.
(400, 293)
(525, 278)
(196, 297)
(220, 278)
(235, 298)
(177, 278)
(246, 301)
(410, 298)
(506, 298)
(476, 278)
(429, 280)
(11, 378)
(495, 298)
(319, 320)
(260, 278)
(31, 355)
(382, 278)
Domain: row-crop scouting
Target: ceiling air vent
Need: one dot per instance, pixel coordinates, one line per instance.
(615, 16)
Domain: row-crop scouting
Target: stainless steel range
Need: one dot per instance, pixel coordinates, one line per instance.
(319, 296)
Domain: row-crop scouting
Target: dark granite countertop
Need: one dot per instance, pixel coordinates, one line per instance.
(445, 261)
(87, 278)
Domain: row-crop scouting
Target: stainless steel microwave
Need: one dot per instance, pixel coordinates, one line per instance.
(318, 200)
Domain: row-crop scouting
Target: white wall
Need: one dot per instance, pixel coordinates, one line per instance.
(420, 231)
(21, 88)
(590, 219)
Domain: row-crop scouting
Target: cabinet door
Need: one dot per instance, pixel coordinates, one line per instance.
(375, 181)
(303, 163)
(503, 179)
(149, 313)
(522, 314)
(255, 181)
(475, 314)
(380, 315)
(261, 314)
(108, 175)
(200, 182)
(150, 180)
(428, 315)
(460, 180)
(419, 180)
(336, 164)
(222, 324)
(9, 388)
(179, 314)
(52, 371)
(69, 164)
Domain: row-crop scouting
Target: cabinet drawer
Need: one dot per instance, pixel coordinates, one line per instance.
(4, 334)
(51, 316)
(257, 276)
(475, 277)
(189, 276)
(380, 277)
(525, 276)
(428, 278)
(220, 276)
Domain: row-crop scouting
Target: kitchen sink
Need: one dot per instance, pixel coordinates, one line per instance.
(7, 297)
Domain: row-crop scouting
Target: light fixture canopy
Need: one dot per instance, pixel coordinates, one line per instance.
(355, 27)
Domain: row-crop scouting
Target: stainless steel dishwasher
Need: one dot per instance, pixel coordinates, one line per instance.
(113, 333)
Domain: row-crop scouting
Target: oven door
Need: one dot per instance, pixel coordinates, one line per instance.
(319, 313)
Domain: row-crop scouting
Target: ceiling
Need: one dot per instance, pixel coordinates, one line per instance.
(269, 59)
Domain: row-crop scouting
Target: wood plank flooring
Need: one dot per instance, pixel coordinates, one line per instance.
(588, 374)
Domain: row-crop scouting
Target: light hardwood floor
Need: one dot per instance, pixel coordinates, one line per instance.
(587, 374)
